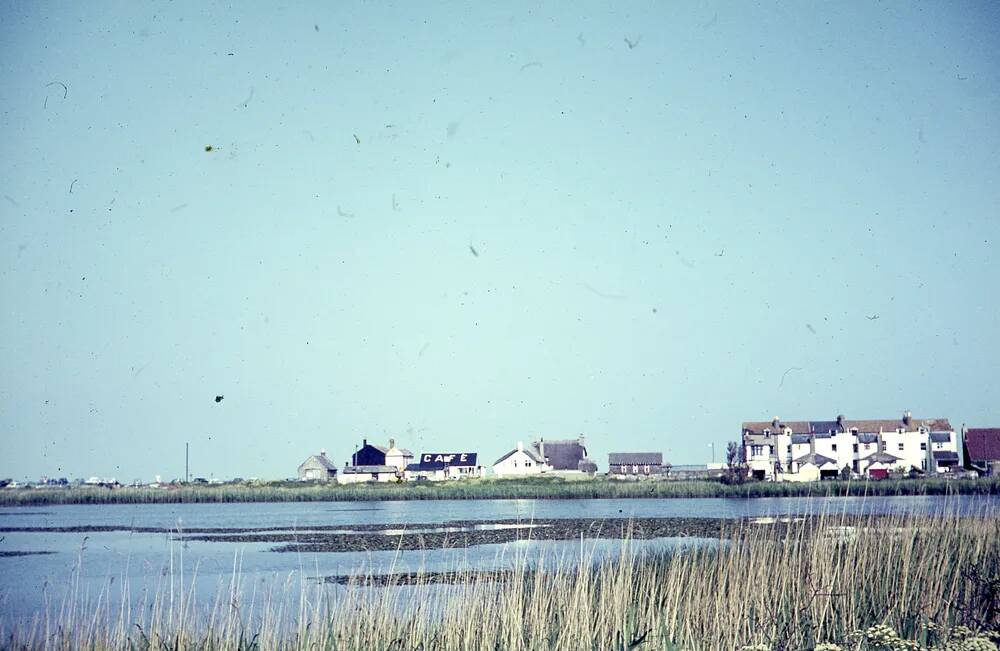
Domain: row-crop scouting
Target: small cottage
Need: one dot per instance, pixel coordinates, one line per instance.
(566, 458)
(317, 468)
(519, 462)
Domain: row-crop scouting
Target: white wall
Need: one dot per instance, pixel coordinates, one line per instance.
(518, 464)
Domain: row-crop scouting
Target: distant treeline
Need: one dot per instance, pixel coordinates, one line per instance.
(483, 489)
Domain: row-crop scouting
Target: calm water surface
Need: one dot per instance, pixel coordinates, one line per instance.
(147, 561)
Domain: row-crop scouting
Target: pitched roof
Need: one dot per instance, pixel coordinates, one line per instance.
(532, 454)
(982, 444)
(892, 424)
(321, 460)
(940, 437)
(799, 439)
(815, 459)
(880, 457)
(758, 427)
(876, 425)
(562, 455)
(636, 458)
(944, 455)
(867, 437)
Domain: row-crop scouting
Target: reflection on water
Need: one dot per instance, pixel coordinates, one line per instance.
(144, 561)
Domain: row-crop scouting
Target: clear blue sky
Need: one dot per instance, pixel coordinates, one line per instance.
(663, 231)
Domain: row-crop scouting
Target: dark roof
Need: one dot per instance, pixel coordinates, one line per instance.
(940, 437)
(798, 439)
(321, 460)
(636, 458)
(944, 455)
(367, 470)
(528, 450)
(440, 460)
(586, 465)
(562, 455)
(867, 437)
(815, 459)
(825, 426)
(982, 444)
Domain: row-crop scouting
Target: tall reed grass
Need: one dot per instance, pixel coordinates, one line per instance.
(491, 489)
(834, 579)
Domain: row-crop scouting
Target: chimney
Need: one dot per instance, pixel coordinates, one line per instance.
(840, 420)
(392, 443)
(907, 417)
(364, 442)
(322, 452)
(520, 446)
(775, 421)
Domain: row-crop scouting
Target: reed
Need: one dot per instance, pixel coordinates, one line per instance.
(875, 582)
(479, 489)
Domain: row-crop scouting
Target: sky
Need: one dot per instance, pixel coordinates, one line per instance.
(462, 225)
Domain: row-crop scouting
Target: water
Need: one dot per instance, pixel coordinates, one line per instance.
(148, 561)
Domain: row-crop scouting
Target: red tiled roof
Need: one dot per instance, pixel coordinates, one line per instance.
(982, 444)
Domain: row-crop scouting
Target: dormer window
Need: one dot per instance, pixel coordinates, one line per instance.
(767, 432)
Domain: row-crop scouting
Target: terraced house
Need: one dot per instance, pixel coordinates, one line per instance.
(808, 450)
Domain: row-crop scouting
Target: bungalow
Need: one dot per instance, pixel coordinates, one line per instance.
(982, 450)
(567, 458)
(812, 467)
(436, 466)
(520, 461)
(635, 464)
(377, 473)
(317, 468)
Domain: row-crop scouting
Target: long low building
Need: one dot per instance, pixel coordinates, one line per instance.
(439, 466)
(635, 464)
(378, 473)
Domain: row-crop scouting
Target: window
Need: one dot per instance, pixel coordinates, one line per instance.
(923, 445)
(856, 449)
(923, 464)
(900, 445)
(756, 450)
(789, 450)
(767, 432)
(833, 447)
(939, 445)
(883, 446)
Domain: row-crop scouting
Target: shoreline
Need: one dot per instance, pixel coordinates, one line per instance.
(492, 489)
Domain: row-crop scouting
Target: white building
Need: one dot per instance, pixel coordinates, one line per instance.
(398, 457)
(776, 450)
(361, 474)
(519, 462)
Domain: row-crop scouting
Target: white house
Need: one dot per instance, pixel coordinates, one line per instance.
(811, 467)
(519, 462)
(398, 457)
(771, 448)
